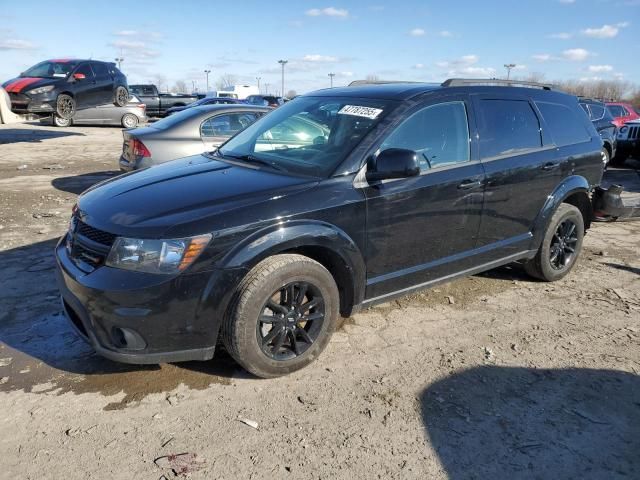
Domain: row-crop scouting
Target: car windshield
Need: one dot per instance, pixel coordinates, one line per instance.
(51, 69)
(308, 136)
(176, 118)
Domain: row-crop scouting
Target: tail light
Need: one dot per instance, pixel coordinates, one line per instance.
(140, 149)
(141, 105)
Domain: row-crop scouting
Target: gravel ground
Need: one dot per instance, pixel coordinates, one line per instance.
(490, 376)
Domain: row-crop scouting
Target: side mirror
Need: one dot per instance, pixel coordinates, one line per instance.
(79, 76)
(394, 163)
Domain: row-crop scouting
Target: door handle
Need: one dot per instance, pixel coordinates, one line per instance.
(468, 184)
(550, 166)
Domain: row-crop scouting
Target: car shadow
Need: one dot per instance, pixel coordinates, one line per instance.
(626, 268)
(22, 135)
(526, 423)
(79, 183)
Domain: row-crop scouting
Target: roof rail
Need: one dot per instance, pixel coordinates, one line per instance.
(462, 82)
(355, 83)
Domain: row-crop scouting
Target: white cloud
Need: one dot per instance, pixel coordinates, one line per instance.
(623, 24)
(345, 74)
(445, 34)
(328, 11)
(475, 71)
(464, 61)
(319, 58)
(618, 76)
(520, 67)
(600, 68)
(576, 54)
(541, 57)
(606, 31)
(418, 66)
(16, 44)
(417, 32)
(561, 36)
(567, 2)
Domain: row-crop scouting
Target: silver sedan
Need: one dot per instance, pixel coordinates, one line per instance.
(189, 132)
(129, 116)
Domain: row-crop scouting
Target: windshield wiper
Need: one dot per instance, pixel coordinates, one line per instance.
(252, 159)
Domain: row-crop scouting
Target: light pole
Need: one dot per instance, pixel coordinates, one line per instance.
(207, 72)
(331, 75)
(266, 88)
(258, 79)
(283, 63)
(119, 60)
(509, 66)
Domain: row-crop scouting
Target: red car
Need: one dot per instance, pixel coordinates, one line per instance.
(622, 113)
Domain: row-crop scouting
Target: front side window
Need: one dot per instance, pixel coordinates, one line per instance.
(310, 135)
(566, 127)
(85, 69)
(54, 69)
(597, 111)
(226, 125)
(439, 134)
(508, 127)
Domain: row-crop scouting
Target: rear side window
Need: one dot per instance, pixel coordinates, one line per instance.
(617, 111)
(566, 127)
(85, 69)
(508, 127)
(226, 125)
(439, 134)
(100, 69)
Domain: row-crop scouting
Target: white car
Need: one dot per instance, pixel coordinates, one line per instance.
(629, 139)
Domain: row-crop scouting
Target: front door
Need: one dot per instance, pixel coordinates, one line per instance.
(85, 89)
(423, 228)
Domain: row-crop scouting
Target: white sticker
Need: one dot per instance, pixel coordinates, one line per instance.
(358, 111)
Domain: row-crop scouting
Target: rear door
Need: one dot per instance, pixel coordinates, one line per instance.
(522, 166)
(104, 84)
(217, 129)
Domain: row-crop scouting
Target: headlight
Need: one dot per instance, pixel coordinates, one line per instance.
(39, 90)
(624, 129)
(156, 256)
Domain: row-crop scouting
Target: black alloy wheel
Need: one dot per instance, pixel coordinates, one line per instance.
(290, 321)
(563, 245)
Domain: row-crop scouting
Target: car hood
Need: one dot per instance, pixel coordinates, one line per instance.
(23, 84)
(185, 197)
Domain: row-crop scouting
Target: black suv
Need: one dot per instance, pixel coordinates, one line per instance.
(336, 200)
(603, 122)
(62, 86)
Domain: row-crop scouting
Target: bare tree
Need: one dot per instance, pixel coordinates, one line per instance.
(179, 87)
(601, 89)
(225, 81)
(160, 81)
(372, 77)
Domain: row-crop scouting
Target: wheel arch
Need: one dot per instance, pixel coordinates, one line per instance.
(323, 242)
(573, 190)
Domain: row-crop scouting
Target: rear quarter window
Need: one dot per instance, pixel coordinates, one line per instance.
(566, 127)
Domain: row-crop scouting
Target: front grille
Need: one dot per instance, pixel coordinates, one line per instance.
(100, 236)
(634, 133)
(88, 246)
(19, 98)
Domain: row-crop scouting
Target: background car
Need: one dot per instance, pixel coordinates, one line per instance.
(158, 103)
(129, 116)
(628, 140)
(205, 101)
(192, 131)
(622, 113)
(603, 121)
(64, 86)
(265, 100)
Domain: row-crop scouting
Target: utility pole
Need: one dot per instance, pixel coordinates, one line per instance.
(283, 63)
(509, 66)
(331, 75)
(207, 72)
(119, 59)
(258, 79)
(193, 86)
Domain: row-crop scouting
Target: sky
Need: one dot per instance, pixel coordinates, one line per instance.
(418, 40)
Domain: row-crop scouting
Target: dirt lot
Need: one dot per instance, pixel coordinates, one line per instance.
(493, 376)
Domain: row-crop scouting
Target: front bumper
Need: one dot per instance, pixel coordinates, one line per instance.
(23, 103)
(138, 318)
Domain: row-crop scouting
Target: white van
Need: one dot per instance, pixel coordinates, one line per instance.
(239, 92)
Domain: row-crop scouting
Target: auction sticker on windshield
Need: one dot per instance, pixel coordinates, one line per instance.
(358, 111)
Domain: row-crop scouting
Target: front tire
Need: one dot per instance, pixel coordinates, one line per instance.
(282, 316)
(57, 121)
(65, 106)
(121, 96)
(561, 245)
(129, 120)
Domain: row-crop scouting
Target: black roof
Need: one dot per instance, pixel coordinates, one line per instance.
(387, 90)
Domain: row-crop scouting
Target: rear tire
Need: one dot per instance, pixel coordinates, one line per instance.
(65, 106)
(57, 121)
(271, 329)
(561, 245)
(129, 120)
(121, 96)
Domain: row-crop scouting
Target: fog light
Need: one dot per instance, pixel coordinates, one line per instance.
(126, 338)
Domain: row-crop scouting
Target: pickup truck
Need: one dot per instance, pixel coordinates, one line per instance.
(158, 103)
